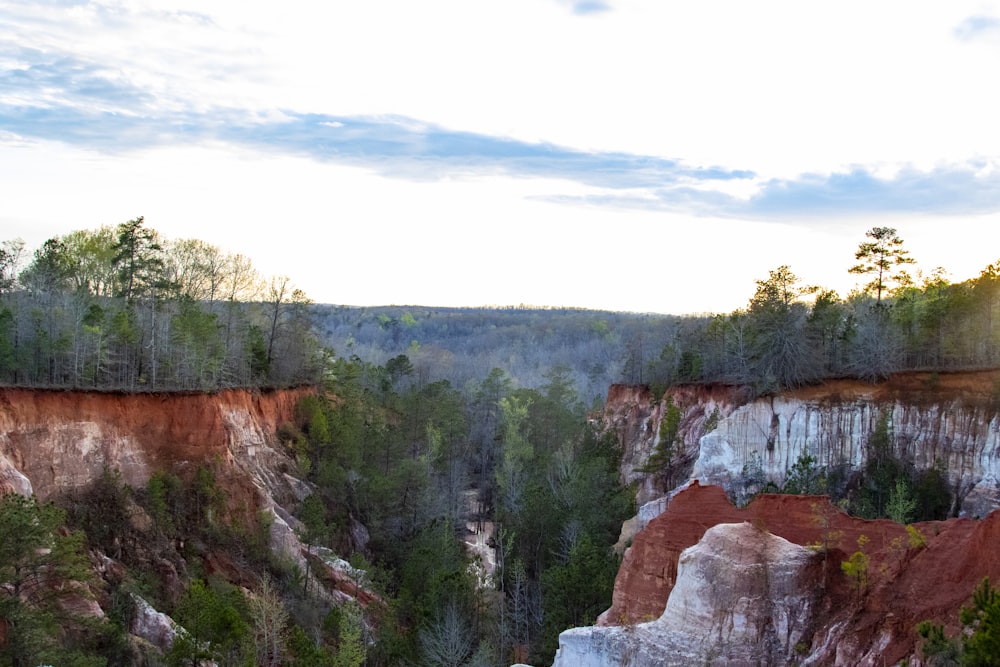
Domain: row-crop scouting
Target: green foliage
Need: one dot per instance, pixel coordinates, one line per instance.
(103, 513)
(666, 445)
(805, 477)
(982, 618)
(164, 502)
(124, 309)
(856, 567)
(576, 591)
(932, 494)
(937, 649)
(978, 644)
(901, 505)
(879, 257)
(915, 539)
(34, 553)
(881, 473)
(214, 614)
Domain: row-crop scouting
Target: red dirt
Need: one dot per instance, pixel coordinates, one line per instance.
(907, 585)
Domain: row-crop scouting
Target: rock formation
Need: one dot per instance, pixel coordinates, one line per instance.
(771, 578)
(742, 596)
(947, 419)
(52, 442)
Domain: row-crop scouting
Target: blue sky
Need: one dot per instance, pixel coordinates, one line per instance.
(623, 155)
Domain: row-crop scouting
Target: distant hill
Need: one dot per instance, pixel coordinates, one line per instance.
(462, 345)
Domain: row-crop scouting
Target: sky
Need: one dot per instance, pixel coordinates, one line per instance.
(631, 155)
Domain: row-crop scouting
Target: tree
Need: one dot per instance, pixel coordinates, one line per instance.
(92, 253)
(805, 477)
(901, 505)
(979, 642)
(782, 352)
(197, 268)
(51, 270)
(137, 259)
(213, 614)
(856, 567)
(36, 562)
(269, 618)
(313, 517)
(879, 257)
(10, 260)
(448, 641)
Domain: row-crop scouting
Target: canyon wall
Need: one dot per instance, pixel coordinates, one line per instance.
(666, 609)
(948, 419)
(54, 442)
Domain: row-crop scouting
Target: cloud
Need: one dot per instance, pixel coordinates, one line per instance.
(32, 78)
(70, 100)
(47, 94)
(584, 7)
(957, 189)
(966, 189)
(978, 28)
(95, 112)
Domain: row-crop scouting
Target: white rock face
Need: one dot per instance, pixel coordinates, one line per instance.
(155, 627)
(776, 432)
(12, 479)
(742, 597)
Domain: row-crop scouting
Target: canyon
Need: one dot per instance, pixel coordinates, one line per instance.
(707, 574)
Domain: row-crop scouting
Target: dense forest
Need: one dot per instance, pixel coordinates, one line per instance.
(123, 308)
(791, 334)
(398, 472)
(462, 345)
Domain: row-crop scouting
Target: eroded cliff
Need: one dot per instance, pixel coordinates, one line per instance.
(57, 444)
(688, 452)
(52, 442)
(688, 593)
(948, 419)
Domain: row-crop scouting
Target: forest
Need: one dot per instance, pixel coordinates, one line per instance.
(122, 308)
(429, 420)
(789, 334)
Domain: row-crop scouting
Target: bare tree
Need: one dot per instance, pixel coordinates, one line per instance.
(269, 618)
(448, 641)
(10, 260)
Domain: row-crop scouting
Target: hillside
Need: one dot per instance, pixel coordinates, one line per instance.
(174, 492)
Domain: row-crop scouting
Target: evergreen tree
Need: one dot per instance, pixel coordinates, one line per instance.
(879, 257)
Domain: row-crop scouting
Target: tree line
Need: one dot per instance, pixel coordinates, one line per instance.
(791, 334)
(124, 308)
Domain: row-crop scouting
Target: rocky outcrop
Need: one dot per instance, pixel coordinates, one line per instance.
(152, 626)
(948, 419)
(648, 571)
(634, 415)
(682, 580)
(742, 596)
